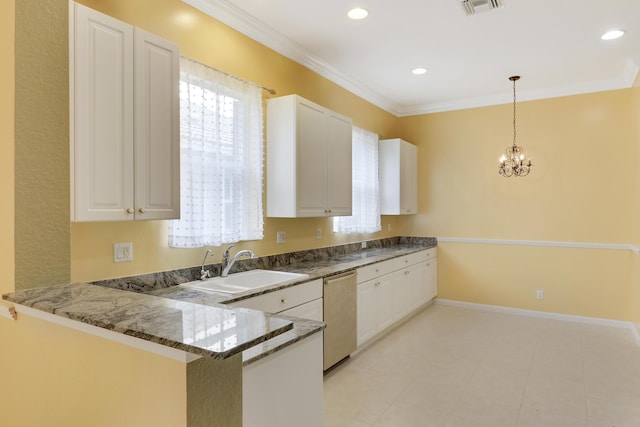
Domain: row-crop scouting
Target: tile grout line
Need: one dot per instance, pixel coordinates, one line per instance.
(584, 377)
(526, 384)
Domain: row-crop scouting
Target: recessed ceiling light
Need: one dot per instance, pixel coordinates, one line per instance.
(613, 34)
(418, 71)
(358, 13)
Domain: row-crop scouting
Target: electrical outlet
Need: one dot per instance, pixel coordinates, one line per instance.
(123, 252)
(364, 245)
(389, 227)
(280, 238)
(319, 233)
(540, 294)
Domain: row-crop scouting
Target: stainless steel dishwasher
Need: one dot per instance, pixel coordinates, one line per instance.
(340, 305)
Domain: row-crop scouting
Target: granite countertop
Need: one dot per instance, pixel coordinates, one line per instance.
(315, 269)
(208, 330)
(152, 308)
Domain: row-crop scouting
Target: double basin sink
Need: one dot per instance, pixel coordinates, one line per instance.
(252, 280)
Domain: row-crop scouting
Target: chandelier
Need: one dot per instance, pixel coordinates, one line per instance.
(513, 162)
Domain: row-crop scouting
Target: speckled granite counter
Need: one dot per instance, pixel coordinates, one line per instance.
(152, 308)
(316, 264)
(207, 330)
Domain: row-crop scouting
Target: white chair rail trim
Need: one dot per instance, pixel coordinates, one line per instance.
(585, 245)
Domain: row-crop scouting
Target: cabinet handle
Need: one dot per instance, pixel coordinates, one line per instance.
(142, 210)
(283, 301)
(130, 210)
(377, 284)
(406, 261)
(406, 273)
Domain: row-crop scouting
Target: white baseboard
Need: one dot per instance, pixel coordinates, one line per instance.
(544, 315)
(635, 330)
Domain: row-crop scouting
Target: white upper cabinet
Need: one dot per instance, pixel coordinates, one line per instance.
(398, 175)
(125, 152)
(308, 160)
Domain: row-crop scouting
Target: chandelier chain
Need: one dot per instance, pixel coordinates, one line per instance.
(514, 112)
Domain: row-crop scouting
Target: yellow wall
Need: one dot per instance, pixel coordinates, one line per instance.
(7, 13)
(56, 376)
(208, 41)
(584, 152)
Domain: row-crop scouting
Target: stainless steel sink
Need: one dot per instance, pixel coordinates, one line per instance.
(245, 281)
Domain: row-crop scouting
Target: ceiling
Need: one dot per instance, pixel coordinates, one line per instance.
(554, 45)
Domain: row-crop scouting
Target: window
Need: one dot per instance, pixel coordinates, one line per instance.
(365, 216)
(220, 159)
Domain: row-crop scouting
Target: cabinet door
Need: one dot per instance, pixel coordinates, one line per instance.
(157, 135)
(311, 165)
(101, 66)
(406, 292)
(339, 176)
(385, 296)
(366, 325)
(284, 389)
(408, 178)
(431, 279)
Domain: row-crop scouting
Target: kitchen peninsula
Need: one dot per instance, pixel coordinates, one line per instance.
(186, 322)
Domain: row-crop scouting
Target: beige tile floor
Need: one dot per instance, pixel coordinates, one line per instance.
(455, 367)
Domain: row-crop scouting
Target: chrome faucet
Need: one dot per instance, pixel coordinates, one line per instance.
(226, 264)
(205, 273)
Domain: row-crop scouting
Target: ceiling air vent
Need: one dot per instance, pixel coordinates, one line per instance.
(472, 7)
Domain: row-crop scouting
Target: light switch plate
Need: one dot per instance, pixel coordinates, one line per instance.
(319, 233)
(123, 252)
(280, 237)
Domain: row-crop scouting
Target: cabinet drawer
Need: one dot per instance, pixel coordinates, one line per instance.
(430, 253)
(418, 257)
(378, 269)
(312, 310)
(284, 299)
(385, 267)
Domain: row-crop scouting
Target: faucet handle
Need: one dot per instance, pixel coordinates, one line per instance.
(205, 273)
(226, 252)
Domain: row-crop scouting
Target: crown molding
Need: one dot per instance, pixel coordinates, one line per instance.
(248, 25)
(626, 80)
(236, 18)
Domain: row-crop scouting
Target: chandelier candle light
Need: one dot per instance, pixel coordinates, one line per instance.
(513, 162)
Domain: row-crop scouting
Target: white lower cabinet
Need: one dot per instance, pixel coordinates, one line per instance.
(285, 388)
(376, 310)
(389, 291)
(429, 288)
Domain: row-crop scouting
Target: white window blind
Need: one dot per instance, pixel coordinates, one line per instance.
(365, 216)
(221, 133)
